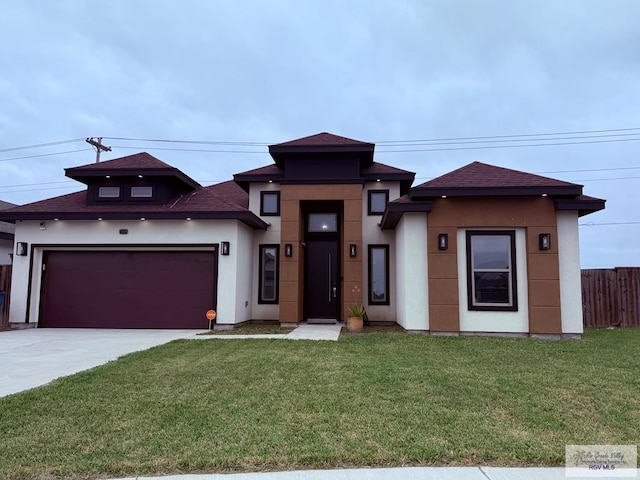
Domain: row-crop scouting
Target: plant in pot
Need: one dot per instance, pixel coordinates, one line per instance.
(355, 312)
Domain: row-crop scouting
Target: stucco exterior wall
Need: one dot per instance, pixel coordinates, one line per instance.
(502, 322)
(291, 269)
(570, 275)
(271, 236)
(372, 234)
(535, 216)
(143, 235)
(412, 288)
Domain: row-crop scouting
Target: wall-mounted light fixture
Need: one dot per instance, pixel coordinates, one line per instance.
(288, 250)
(443, 241)
(21, 249)
(43, 226)
(353, 250)
(225, 248)
(544, 241)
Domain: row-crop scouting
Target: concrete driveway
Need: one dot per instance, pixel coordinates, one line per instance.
(33, 357)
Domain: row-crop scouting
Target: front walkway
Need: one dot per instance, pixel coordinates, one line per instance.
(304, 331)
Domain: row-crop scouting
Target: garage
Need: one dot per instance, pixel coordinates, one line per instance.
(128, 289)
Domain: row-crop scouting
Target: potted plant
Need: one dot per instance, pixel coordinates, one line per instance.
(355, 312)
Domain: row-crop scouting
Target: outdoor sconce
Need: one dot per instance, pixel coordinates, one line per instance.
(288, 250)
(225, 248)
(353, 250)
(43, 226)
(21, 249)
(544, 241)
(443, 241)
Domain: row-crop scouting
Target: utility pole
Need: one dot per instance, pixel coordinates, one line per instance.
(98, 146)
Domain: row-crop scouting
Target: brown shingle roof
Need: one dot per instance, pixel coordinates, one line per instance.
(5, 205)
(223, 200)
(481, 179)
(322, 139)
(137, 161)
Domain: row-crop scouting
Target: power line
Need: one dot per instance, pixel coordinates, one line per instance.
(44, 155)
(201, 142)
(190, 149)
(506, 146)
(39, 145)
(513, 136)
(465, 142)
(592, 224)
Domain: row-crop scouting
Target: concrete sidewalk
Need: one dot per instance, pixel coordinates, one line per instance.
(404, 473)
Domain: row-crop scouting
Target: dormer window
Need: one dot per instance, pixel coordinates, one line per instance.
(141, 192)
(109, 192)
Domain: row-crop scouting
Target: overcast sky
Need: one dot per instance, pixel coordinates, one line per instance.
(271, 71)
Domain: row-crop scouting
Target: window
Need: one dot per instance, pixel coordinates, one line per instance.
(378, 200)
(270, 204)
(378, 274)
(109, 192)
(269, 267)
(141, 192)
(323, 222)
(491, 270)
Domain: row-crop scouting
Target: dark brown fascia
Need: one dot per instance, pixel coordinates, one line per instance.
(86, 176)
(6, 236)
(583, 206)
(280, 153)
(405, 179)
(247, 217)
(394, 211)
(243, 181)
(426, 193)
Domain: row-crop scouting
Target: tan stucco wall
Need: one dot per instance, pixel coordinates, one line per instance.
(535, 215)
(292, 269)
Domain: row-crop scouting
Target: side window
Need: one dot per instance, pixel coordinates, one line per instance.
(378, 274)
(377, 202)
(270, 203)
(109, 192)
(269, 273)
(141, 192)
(491, 270)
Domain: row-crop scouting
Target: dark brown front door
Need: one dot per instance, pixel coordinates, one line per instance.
(322, 281)
(128, 289)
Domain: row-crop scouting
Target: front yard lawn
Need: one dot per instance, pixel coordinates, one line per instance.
(378, 399)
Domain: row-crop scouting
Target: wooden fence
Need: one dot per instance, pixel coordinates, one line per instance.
(5, 286)
(611, 297)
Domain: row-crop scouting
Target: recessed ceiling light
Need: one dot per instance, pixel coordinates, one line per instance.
(142, 218)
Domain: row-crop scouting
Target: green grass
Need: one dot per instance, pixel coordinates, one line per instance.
(375, 399)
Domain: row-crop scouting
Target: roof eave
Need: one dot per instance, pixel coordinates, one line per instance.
(394, 212)
(246, 217)
(434, 192)
(85, 176)
(583, 207)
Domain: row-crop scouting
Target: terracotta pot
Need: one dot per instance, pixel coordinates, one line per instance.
(355, 324)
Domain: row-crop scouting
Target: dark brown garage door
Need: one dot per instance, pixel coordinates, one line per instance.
(128, 289)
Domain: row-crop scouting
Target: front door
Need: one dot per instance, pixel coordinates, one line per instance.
(322, 268)
(322, 281)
